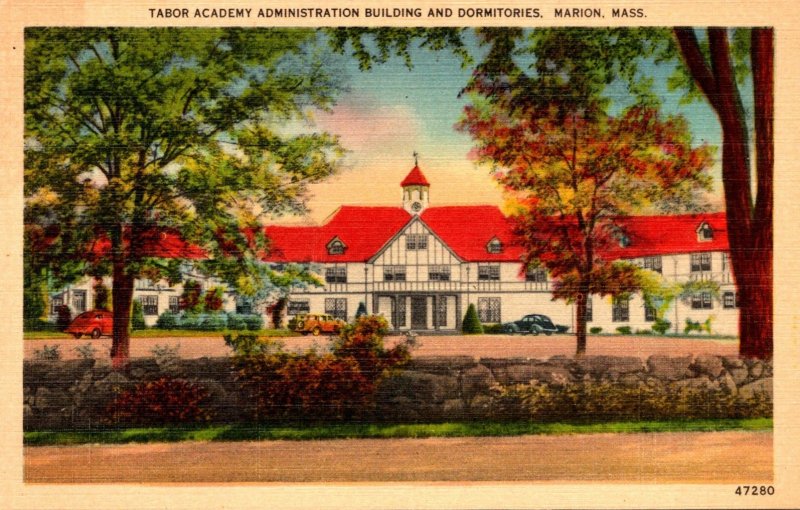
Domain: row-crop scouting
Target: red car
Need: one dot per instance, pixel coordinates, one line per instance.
(94, 322)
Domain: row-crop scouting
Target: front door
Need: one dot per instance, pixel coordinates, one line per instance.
(419, 312)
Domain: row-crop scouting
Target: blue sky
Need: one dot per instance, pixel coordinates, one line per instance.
(391, 111)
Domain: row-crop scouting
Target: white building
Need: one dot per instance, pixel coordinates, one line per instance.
(420, 266)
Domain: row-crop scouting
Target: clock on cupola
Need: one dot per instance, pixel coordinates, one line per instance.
(416, 190)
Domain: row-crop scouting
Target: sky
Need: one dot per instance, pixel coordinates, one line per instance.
(390, 112)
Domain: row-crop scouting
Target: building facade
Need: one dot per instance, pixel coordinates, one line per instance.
(421, 266)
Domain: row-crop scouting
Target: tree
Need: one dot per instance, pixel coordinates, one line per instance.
(132, 134)
(575, 170)
(472, 324)
(716, 68)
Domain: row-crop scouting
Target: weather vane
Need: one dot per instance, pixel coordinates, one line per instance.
(416, 155)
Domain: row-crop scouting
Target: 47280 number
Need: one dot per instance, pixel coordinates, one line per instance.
(755, 490)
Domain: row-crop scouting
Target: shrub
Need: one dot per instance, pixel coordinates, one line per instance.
(215, 322)
(606, 401)
(472, 326)
(644, 332)
(48, 353)
(691, 326)
(624, 330)
(249, 344)
(85, 351)
(213, 299)
(163, 401)
(166, 356)
(661, 326)
(337, 386)
(137, 316)
(596, 330)
(362, 309)
(236, 322)
(254, 321)
(168, 320)
(64, 317)
(493, 329)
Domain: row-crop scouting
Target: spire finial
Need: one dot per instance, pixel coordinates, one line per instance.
(416, 155)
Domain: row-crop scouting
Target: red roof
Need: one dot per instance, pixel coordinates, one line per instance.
(165, 243)
(468, 229)
(415, 178)
(363, 230)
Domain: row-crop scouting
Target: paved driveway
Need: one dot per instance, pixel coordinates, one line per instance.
(688, 457)
(479, 346)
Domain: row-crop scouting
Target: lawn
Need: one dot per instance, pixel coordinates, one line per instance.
(379, 431)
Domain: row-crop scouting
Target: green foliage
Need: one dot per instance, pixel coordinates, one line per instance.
(341, 385)
(595, 330)
(63, 317)
(661, 326)
(137, 316)
(213, 299)
(472, 325)
(493, 329)
(48, 353)
(253, 321)
(101, 295)
(362, 309)
(250, 344)
(624, 330)
(698, 326)
(606, 401)
(190, 300)
(168, 320)
(159, 402)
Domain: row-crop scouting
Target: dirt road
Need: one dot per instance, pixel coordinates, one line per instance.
(692, 457)
(482, 346)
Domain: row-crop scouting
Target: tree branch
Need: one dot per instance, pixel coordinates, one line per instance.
(696, 62)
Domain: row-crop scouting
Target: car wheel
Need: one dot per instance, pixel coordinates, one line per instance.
(548, 333)
(509, 330)
(96, 333)
(300, 325)
(315, 331)
(534, 331)
(77, 335)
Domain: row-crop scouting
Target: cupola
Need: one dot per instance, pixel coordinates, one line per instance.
(416, 190)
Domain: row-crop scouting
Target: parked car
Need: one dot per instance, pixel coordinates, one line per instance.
(533, 324)
(316, 323)
(94, 322)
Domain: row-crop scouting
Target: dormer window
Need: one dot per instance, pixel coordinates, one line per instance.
(336, 247)
(494, 246)
(705, 233)
(624, 241)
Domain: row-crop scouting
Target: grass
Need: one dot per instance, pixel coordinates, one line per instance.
(157, 333)
(381, 431)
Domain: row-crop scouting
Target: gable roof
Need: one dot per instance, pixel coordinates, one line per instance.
(468, 228)
(415, 178)
(364, 230)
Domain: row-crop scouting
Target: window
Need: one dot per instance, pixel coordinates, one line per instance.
(79, 301)
(298, 306)
(149, 304)
(649, 313)
(400, 312)
(729, 300)
(620, 310)
(653, 263)
(441, 311)
(702, 301)
(145, 283)
(489, 273)
(55, 302)
(336, 274)
(494, 246)
(536, 274)
(417, 242)
(336, 247)
(705, 232)
(175, 304)
(489, 309)
(336, 307)
(439, 273)
(394, 273)
(701, 262)
(589, 309)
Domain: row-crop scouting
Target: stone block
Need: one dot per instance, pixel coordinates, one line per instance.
(669, 368)
(759, 387)
(706, 364)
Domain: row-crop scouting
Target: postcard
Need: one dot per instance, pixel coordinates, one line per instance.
(413, 255)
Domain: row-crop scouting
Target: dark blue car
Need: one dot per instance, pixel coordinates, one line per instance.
(533, 324)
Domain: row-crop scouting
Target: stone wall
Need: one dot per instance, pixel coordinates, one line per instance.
(71, 395)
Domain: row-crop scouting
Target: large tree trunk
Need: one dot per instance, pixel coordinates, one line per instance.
(122, 299)
(749, 221)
